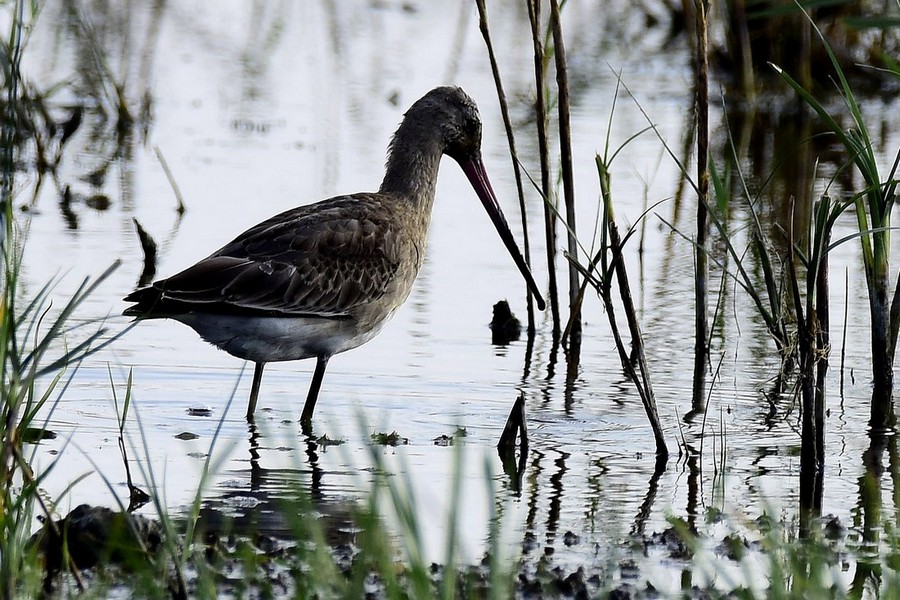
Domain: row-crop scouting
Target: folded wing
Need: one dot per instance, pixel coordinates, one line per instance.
(303, 262)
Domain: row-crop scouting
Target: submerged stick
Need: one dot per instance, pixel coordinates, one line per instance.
(506, 447)
(148, 245)
(515, 424)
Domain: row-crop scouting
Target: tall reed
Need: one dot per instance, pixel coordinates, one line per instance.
(573, 328)
(534, 18)
(701, 276)
(612, 265)
(811, 308)
(873, 205)
(511, 140)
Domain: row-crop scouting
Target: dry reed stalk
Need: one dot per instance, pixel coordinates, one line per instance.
(511, 140)
(701, 280)
(640, 376)
(844, 332)
(171, 178)
(573, 328)
(823, 347)
(515, 424)
(534, 17)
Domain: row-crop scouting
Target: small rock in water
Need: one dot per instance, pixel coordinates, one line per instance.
(505, 327)
(187, 435)
(98, 202)
(833, 528)
(199, 411)
(629, 569)
(573, 586)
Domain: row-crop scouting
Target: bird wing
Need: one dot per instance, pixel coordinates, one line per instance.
(321, 260)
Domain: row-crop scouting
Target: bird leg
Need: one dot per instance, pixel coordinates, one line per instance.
(254, 389)
(313, 395)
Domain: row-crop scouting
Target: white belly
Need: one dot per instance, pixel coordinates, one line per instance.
(272, 339)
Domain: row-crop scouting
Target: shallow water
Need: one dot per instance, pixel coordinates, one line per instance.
(258, 108)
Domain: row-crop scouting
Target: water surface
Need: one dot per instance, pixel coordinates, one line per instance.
(257, 108)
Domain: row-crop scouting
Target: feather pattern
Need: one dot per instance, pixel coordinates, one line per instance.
(320, 260)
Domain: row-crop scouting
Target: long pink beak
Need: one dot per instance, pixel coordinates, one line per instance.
(473, 167)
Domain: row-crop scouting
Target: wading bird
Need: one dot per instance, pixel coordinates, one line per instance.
(324, 278)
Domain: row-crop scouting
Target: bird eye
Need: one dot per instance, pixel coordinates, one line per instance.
(473, 129)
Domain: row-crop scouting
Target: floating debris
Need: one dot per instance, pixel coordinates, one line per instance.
(186, 435)
(200, 411)
(571, 539)
(99, 202)
(33, 435)
(389, 439)
(448, 440)
(326, 441)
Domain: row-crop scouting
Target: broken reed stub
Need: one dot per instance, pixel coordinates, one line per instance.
(515, 424)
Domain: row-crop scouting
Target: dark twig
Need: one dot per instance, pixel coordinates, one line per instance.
(534, 16)
(642, 379)
(573, 329)
(171, 178)
(511, 140)
(506, 447)
(515, 424)
(701, 281)
(136, 496)
(149, 248)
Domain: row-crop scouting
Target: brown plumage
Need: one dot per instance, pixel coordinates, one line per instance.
(324, 278)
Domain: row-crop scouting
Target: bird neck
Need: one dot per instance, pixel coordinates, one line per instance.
(414, 157)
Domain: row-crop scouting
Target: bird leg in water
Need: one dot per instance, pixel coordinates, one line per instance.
(254, 389)
(313, 395)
